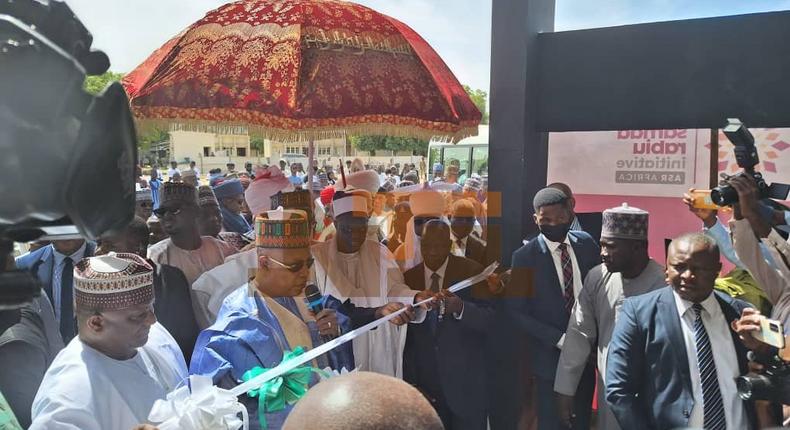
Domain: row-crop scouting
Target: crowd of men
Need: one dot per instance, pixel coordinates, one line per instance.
(210, 280)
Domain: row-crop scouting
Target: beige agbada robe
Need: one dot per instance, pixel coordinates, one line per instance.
(369, 278)
(591, 325)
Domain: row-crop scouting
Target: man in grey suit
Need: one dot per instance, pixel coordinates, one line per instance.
(673, 358)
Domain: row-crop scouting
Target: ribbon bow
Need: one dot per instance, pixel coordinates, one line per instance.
(274, 395)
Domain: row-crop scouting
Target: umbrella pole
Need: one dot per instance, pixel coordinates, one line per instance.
(310, 156)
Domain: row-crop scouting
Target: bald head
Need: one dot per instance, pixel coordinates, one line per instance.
(363, 401)
(692, 266)
(699, 241)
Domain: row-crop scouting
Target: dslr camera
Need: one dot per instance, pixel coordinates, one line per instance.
(772, 384)
(747, 158)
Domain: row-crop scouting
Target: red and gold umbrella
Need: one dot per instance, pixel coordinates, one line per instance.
(302, 70)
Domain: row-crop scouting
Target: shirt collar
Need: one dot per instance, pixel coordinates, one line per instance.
(709, 304)
(77, 256)
(455, 239)
(554, 245)
(440, 271)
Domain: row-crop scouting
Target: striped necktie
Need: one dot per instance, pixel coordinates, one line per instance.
(567, 276)
(713, 406)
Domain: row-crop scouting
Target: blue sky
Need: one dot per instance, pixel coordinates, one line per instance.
(459, 30)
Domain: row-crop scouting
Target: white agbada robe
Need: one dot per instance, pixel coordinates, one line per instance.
(369, 278)
(85, 390)
(217, 284)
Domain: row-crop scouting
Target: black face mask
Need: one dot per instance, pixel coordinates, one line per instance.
(555, 233)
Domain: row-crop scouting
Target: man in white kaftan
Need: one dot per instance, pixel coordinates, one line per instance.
(362, 274)
(122, 361)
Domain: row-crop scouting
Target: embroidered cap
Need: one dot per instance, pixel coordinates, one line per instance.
(113, 281)
(625, 222)
(206, 196)
(178, 191)
(282, 228)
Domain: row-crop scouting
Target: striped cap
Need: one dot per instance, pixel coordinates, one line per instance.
(113, 281)
(282, 228)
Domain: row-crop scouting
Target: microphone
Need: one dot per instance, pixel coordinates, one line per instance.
(315, 302)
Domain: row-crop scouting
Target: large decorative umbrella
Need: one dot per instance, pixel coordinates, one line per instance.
(302, 70)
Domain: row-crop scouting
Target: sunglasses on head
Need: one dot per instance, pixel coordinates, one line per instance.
(294, 267)
(162, 212)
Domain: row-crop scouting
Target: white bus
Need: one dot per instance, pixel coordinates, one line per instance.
(471, 153)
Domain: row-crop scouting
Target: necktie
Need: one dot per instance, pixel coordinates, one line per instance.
(713, 406)
(67, 300)
(435, 282)
(567, 276)
(433, 315)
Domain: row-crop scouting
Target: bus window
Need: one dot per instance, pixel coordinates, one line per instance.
(480, 160)
(459, 155)
(434, 156)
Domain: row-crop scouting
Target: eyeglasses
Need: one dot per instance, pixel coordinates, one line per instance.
(294, 267)
(162, 212)
(146, 205)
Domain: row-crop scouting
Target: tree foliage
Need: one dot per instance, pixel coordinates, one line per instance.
(145, 141)
(95, 84)
(389, 143)
(480, 99)
(257, 143)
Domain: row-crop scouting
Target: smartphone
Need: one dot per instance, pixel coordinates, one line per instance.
(771, 332)
(702, 200)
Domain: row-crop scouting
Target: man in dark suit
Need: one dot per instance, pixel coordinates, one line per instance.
(547, 275)
(444, 354)
(589, 222)
(54, 267)
(673, 358)
(462, 222)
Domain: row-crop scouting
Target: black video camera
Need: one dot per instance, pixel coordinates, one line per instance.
(772, 384)
(68, 157)
(747, 158)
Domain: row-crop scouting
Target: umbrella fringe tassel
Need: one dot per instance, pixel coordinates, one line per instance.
(146, 125)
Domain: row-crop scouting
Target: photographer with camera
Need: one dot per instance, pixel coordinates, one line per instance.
(753, 220)
(738, 282)
(769, 377)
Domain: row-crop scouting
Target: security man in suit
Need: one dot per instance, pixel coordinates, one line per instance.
(548, 274)
(462, 222)
(674, 357)
(444, 353)
(53, 265)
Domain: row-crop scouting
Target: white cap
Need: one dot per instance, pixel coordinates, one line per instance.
(427, 202)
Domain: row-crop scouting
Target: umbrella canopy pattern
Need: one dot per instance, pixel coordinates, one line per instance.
(296, 70)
